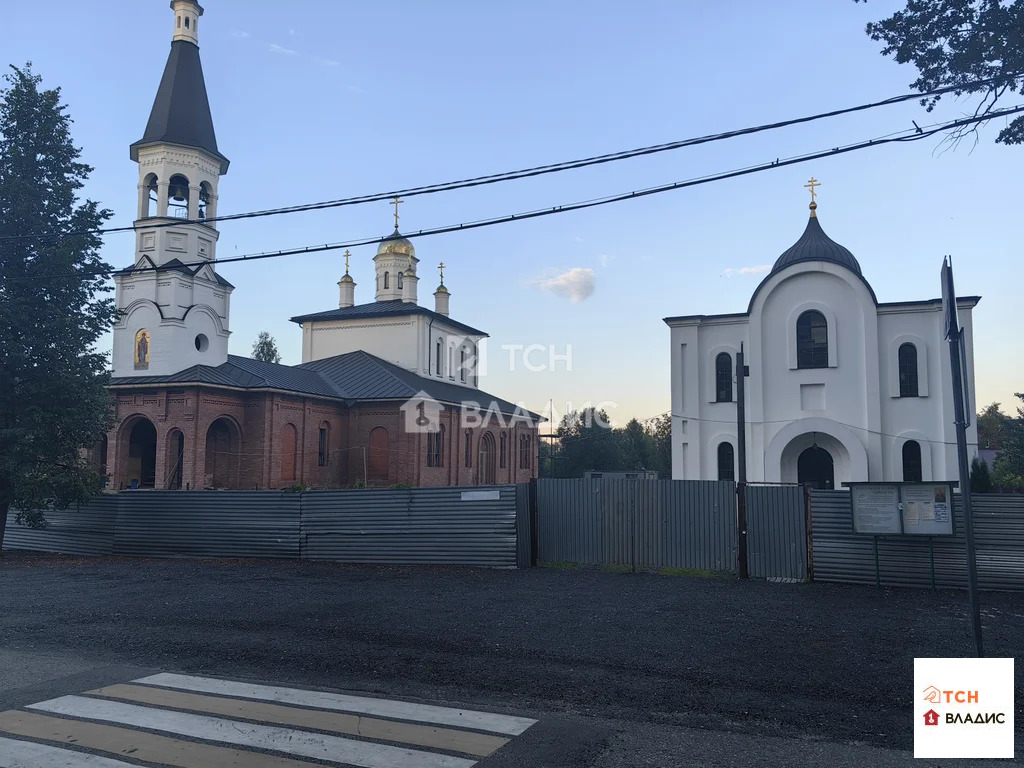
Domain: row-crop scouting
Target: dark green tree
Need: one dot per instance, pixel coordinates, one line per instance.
(53, 404)
(265, 348)
(981, 480)
(1008, 471)
(957, 43)
(660, 430)
(991, 422)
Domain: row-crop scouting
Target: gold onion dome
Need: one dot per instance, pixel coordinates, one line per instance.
(396, 245)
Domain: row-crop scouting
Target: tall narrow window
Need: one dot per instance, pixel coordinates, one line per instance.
(462, 364)
(726, 462)
(435, 448)
(723, 378)
(387, 278)
(811, 340)
(503, 450)
(323, 446)
(398, 278)
(469, 448)
(440, 358)
(908, 370)
(912, 471)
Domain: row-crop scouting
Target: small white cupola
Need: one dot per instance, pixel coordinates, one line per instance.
(346, 287)
(186, 20)
(441, 295)
(409, 284)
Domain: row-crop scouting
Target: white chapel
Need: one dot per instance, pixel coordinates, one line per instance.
(841, 387)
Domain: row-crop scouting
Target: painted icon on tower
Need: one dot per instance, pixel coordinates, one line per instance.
(142, 349)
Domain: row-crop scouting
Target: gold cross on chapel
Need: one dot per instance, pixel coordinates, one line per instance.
(347, 255)
(811, 185)
(396, 202)
(441, 267)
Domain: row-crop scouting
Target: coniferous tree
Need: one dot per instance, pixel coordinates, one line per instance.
(53, 404)
(265, 348)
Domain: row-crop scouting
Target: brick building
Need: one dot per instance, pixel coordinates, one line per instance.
(387, 392)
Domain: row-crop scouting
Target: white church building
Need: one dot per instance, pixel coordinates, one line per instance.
(841, 387)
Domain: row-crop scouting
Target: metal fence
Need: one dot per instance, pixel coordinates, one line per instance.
(839, 554)
(686, 524)
(465, 526)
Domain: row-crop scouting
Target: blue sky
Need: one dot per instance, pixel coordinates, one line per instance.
(315, 100)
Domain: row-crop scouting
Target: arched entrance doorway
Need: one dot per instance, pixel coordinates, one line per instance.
(222, 442)
(487, 459)
(815, 468)
(140, 470)
(379, 459)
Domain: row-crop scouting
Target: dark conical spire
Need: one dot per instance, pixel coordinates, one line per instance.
(181, 110)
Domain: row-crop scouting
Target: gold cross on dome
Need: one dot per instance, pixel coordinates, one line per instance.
(811, 185)
(441, 267)
(396, 202)
(347, 256)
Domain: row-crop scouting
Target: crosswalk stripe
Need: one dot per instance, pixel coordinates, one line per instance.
(29, 754)
(399, 710)
(148, 747)
(301, 743)
(469, 742)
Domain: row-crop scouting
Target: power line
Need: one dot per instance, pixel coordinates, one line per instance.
(551, 168)
(910, 135)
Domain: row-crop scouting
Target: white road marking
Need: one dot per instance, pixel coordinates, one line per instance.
(28, 754)
(294, 742)
(400, 710)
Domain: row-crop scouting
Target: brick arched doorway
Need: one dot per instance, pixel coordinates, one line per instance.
(140, 465)
(222, 454)
(487, 459)
(379, 458)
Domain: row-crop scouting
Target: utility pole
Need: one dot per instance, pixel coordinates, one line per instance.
(957, 362)
(742, 371)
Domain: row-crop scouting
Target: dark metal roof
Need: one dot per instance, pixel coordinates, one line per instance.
(815, 245)
(352, 376)
(181, 110)
(393, 308)
(174, 265)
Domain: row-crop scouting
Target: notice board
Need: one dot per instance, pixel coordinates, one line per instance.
(908, 509)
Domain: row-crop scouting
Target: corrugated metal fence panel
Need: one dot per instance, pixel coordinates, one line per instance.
(421, 525)
(839, 554)
(700, 524)
(87, 529)
(524, 528)
(208, 524)
(646, 523)
(776, 532)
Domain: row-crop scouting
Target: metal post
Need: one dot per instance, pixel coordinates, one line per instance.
(956, 363)
(742, 371)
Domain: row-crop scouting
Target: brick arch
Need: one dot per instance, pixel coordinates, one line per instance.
(222, 453)
(136, 442)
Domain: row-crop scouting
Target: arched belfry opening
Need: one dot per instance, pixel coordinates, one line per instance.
(204, 202)
(815, 467)
(178, 197)
(150, 196)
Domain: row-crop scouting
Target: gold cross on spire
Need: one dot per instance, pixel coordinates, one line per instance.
(811, 185)
(441, 267)
(347, 256)
(396, 202)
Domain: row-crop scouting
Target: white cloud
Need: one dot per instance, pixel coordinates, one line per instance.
(275, 48)
(759, 269)
(240, 34)
(328, 63)
(604, 258)
(576, 285)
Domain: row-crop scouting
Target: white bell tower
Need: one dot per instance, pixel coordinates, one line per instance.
(174, 306)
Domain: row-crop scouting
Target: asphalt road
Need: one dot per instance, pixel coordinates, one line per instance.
(672, 670)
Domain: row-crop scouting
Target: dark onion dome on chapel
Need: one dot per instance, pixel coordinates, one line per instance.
(181, 110)
(815, 245)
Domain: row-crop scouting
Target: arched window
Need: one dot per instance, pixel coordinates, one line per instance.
(811, 340)
(435, 448)
(723, 378)
(179, 22)
(503, 450)
(462, 364)
(187, 21)
(324, 445)
(487, 474)
(912, 472)
(469, 448)
(451, 361)
(726, 462)
(440, 357)
(908, 370)
(387, 280)
(398, 282)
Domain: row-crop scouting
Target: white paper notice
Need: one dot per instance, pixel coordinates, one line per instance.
(927, 511)
(910, 515)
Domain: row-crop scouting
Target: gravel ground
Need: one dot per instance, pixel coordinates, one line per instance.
(804, 661)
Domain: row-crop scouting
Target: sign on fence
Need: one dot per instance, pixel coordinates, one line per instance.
(894, 509)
